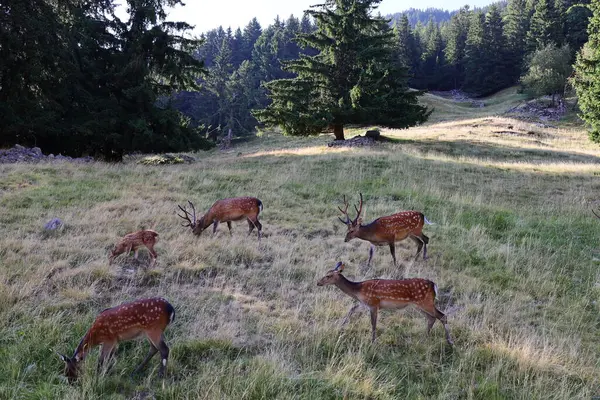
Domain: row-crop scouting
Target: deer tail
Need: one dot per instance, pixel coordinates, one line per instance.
(171, 311)
(260, 205)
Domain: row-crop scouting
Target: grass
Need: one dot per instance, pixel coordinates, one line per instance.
(511, 251)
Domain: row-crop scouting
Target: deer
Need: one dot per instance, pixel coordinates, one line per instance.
(148, 317)
(135, 240)
(387, 230)
(378, 294)
(225, 210)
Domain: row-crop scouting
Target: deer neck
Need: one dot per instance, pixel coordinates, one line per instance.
(367, 232)
(348, 287)
(85, 345)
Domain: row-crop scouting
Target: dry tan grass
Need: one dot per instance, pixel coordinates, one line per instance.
(510, 250)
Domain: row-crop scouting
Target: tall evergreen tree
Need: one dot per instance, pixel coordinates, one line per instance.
(545, 26)
(458, 30)
(433, 55)
(351, 80)
(474, 53)
(587, 75)
(516, 26)
(406, 52)
(496, 65)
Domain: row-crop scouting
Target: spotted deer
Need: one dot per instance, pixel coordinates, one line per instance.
(148, 317)
(133, 241)
(226, 210)
(379, 294)
(387, 230)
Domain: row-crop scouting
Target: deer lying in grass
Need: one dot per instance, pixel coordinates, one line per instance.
(148, 317)
(387, 230)
(133, 241)
(226, 210)
(379, 294)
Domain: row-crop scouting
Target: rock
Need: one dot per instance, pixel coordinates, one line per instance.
(357, 141)
(373, 134)
(53, 224)
(33, 155)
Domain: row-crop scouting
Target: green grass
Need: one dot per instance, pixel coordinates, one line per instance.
(511, 251)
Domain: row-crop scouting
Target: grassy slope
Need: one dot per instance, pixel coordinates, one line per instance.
(511, 250)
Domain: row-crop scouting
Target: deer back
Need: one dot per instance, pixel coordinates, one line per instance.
(233, 209)
(387, 293)
(129, 320)
(393, 227)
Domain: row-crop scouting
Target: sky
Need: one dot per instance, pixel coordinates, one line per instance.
(206, 15)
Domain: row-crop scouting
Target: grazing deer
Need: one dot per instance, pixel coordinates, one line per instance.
(387, 230)
(149, 317)
(133, 241)
(226, 210)
(388, 294)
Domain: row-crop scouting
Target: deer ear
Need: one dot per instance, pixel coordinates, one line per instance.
(339, 267)
(358, 221)
(63, 357)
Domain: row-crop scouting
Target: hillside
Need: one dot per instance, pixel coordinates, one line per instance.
(512, 251)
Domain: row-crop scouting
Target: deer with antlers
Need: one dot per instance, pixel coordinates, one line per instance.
(148, 317)
(387, 230)
(378, 294)
(226, 210)
(133, 241)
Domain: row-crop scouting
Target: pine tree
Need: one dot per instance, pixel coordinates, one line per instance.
(456, 44)
(406, 52)
(516, 25)
(474, 54)
(252, 32)
(587, 75)
(433, 55)
(495, 64)
(545, 26)
(351, 80)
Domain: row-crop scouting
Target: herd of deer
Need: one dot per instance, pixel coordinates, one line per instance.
(150, 317)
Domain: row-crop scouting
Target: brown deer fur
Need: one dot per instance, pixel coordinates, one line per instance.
(387, 230)
(379, 294)
(148, 317)
(133, 241)
(226, 210)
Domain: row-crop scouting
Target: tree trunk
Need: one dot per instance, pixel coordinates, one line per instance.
(338, 131)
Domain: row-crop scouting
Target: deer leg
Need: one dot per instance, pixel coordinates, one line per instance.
(255, 223)
(371, 251)
(373, 323)
(153, 254)
(108, 349)
(393, 251)
(425, 240)
(433, 312)
(164, 355)
(430, 320)
(215, 224)
(153, 350)
(229, 226)
(135, 253)
(158, 341)
(350, 312)
(420, 245)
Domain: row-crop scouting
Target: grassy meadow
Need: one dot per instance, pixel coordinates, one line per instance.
(514, 252)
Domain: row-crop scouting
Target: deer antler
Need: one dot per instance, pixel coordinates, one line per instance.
(359, 209)
(597, 216)
(345, 212)
(191, 222)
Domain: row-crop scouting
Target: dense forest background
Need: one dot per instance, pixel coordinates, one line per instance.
(75, 78)
(479, 51)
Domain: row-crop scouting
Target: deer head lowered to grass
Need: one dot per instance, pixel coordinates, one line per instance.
(226, 210)
(148, 317)
(379, 294)
(387, 230)
(133, 241)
